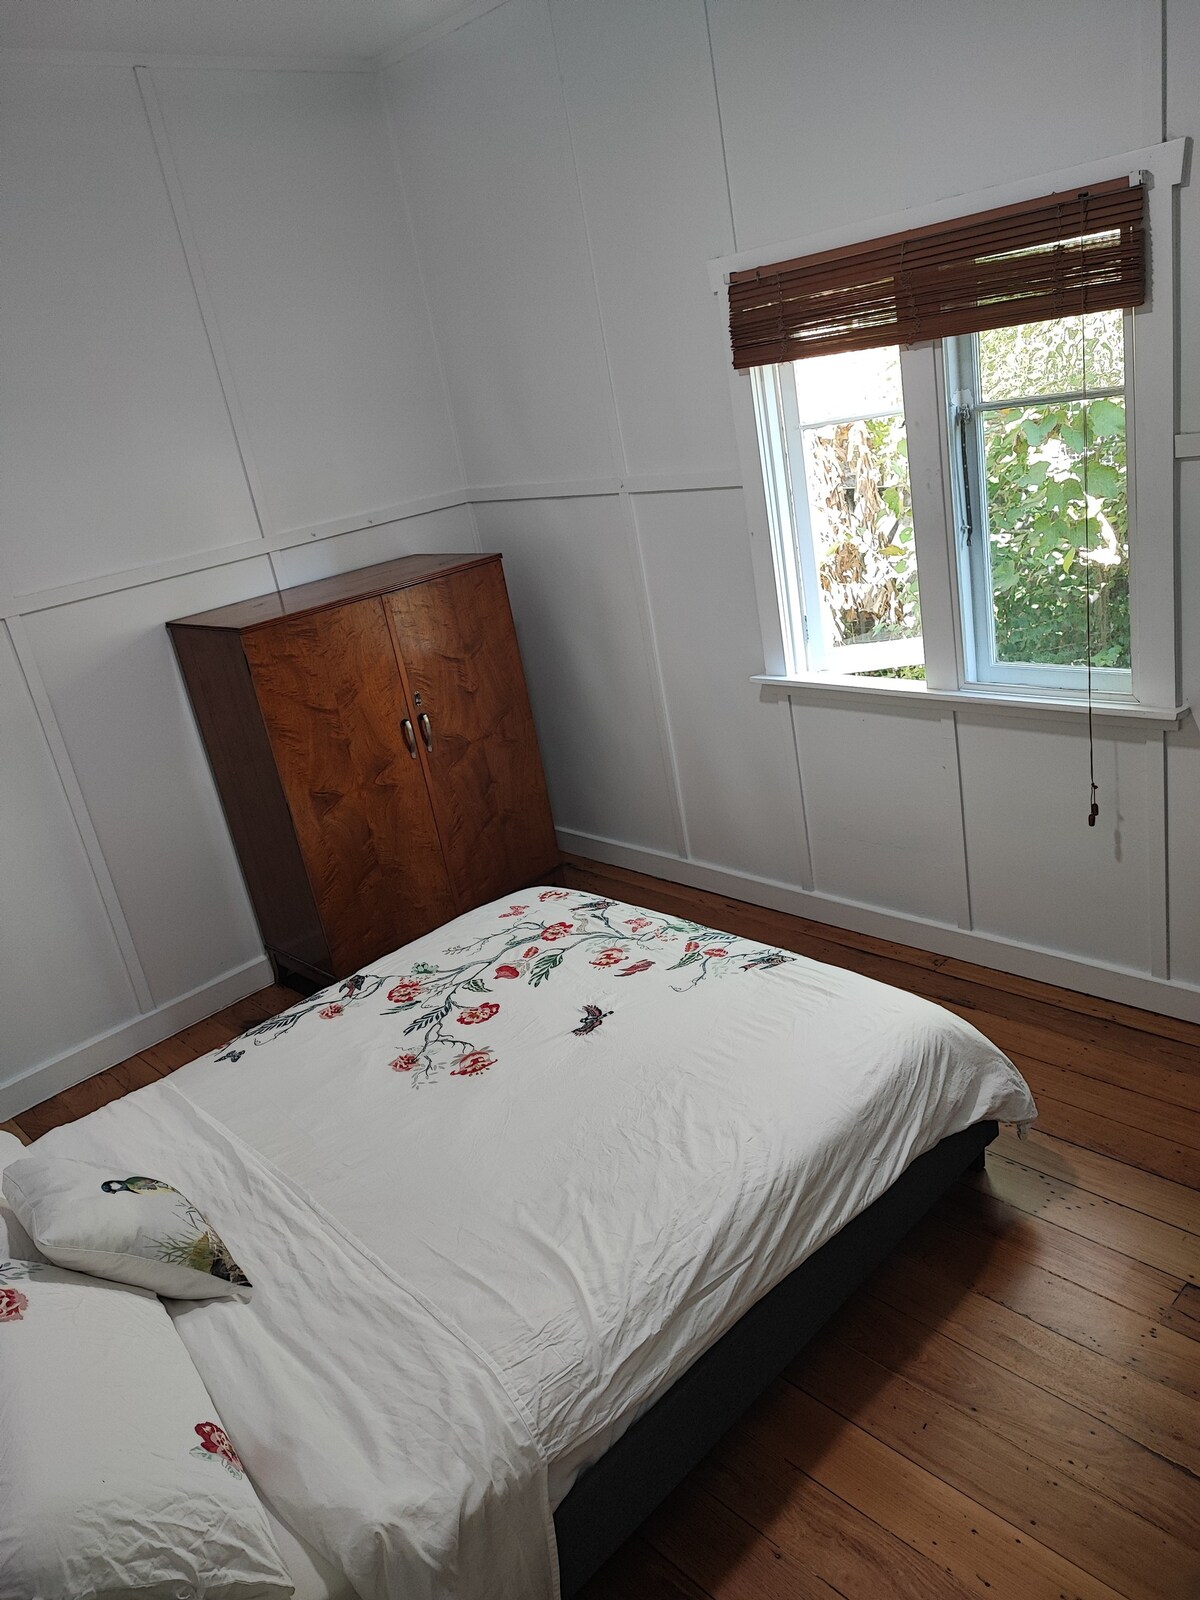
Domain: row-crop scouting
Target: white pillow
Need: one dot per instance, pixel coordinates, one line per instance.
(116, 1477)
(14, 1241)
(117, 1225)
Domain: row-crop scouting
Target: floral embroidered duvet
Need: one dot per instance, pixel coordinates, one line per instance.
(585, 1138)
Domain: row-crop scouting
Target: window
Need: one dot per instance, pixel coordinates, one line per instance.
(959, 490)
(851, 510)
(1041, 491)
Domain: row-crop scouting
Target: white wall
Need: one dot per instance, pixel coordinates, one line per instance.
(571, 166)
(219, 376)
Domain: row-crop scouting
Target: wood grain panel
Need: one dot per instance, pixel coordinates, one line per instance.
(1055, 1432)
(456, 639)
(987, 1554)
(239, 752)
(332, 703)
(1137, 1406)
(1168, 1158)
(1099, 1536)
(1145, 1239)
(1183, 1314)
(982, 1229)
(1131, 1338)
(361, 583)
(1096, 1174)
(848, 1550)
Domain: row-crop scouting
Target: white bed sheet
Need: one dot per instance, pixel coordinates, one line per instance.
(313, 1577)
(593, 1136)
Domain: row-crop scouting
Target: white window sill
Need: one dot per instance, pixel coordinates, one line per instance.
(827, 686)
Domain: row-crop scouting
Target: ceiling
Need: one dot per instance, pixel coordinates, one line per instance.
(366, 28)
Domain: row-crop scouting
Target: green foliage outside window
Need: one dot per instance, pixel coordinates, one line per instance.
(1040, 539)
(1046, 539)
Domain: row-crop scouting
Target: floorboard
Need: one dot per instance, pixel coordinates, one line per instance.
(1010, 1407)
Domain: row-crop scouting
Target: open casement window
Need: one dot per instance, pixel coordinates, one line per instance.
(944, 419)
(851, 509)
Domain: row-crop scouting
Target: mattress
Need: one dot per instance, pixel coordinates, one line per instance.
(574, 1141)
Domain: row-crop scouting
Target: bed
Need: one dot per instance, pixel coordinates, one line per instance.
(534, 1208)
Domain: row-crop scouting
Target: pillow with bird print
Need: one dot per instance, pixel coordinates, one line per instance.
(124, 1226)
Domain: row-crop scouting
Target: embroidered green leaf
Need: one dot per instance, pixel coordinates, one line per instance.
(692, 955)
(544, 966)
(429, 1018)
(476, 984)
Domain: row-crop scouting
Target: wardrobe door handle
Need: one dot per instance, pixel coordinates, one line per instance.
(410, 738)
(426, 730)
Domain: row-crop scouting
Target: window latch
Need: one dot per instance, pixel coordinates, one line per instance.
(964, 414)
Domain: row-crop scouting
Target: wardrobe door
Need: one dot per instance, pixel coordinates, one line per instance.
(334, 709)
(456, 638)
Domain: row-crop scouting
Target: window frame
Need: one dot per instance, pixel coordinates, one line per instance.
(822, 653)
(1151, 353)
(974, 566)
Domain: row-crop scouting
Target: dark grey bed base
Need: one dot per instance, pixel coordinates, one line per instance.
(620, 1490)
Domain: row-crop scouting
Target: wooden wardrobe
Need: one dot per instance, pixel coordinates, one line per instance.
(375, 753)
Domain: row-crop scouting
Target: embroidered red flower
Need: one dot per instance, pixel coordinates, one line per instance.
(692, 944)
(514, 911)
(404, 1063)
(716, 951)
(553, 894)
(556, 930)
(530, 953)
(637, 923)
(405, 991)
(474, 1061)
(13, 1305)
(638, 966)
(333, 1010)
(481, 1013)
(508, 972)
(608, 958)
(216, 1441)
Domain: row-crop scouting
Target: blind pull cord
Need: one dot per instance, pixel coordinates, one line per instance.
(1094, 807)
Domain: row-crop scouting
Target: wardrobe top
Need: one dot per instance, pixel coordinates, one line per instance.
(345, 587)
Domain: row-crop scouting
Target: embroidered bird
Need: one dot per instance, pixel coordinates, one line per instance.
(591, 1020)
(135, 1186)
(773, 959)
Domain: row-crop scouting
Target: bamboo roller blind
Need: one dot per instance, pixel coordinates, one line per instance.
(1083, 250)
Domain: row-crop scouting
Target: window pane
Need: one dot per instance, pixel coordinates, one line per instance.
(852, 384)
(853, 512)
(1048, 357)
(861, 510)
(1043, 549)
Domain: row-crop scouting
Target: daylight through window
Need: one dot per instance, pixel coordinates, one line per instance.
(978, 460)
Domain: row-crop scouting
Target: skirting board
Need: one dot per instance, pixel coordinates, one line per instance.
(73, 1066)
(1132, 988)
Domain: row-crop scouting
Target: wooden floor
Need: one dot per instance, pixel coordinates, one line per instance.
(1011, 1406)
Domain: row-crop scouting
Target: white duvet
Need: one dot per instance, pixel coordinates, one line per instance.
(498, 1191)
